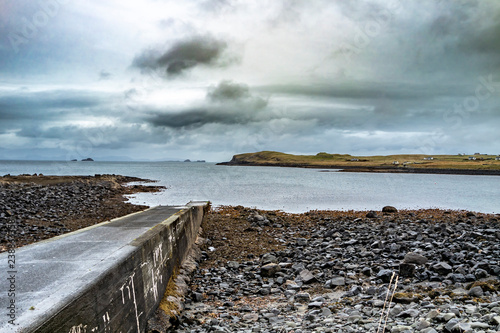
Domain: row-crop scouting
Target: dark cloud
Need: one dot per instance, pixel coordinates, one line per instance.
(227, 90)
(183, 55)
(229, 103)
(195, 118)
(483, 41)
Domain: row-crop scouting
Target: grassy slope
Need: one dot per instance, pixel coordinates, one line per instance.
(326, 160)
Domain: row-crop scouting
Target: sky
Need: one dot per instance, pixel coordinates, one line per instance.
(207, 79)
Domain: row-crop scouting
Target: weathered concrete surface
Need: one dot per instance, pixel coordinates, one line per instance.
(105, 278)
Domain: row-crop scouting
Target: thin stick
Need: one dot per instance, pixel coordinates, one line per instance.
(385, 302)
(389, 308)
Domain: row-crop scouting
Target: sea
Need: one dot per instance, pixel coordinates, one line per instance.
(293, 190)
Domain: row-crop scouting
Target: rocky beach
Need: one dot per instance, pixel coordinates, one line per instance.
(330, 271)
(37, 207)
(270, 271)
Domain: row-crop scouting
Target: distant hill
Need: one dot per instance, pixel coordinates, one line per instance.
(391, 163)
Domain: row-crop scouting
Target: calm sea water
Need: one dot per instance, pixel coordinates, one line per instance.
(288, 189)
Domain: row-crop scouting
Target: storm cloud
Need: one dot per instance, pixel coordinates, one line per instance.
(211, 78)
(228, 91)
(183, 55)
(228, 103)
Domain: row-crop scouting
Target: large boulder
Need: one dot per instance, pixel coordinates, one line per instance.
(389, 209)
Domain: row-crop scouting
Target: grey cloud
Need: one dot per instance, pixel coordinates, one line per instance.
(486, 40)
(106, 136)
(183, 55)
(201, 116)
(194, 118)
(369, 90)
(43, 105)
(229, 103)
(227, 90)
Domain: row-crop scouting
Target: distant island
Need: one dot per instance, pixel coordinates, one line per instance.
(88, 159)
(198, 161)
(475, 164)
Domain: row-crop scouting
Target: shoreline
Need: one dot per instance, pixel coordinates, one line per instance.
(364, 169)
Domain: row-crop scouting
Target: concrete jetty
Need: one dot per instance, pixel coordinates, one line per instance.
(105, 278)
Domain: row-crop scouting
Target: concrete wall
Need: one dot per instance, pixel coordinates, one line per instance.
(123, 296)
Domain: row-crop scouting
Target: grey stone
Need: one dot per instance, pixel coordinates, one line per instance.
(412, 313)
(302, 297)
(461, 327)
(233, 264)
(301, 241)
(450, 324)
(421, 324)
(335, 282)
(476, 292)
(307, 277)
(269, 258)
(385, 275)
(442, 268)
(270, 270)
(415, 258)
(428, 330)
(315, 305)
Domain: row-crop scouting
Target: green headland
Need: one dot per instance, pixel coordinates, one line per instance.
(418, 163)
